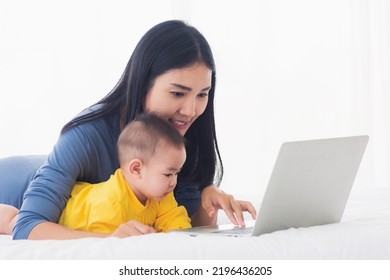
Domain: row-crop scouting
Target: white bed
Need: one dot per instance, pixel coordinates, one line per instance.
(364, 233)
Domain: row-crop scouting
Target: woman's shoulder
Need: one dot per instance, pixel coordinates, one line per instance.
(102, 126)
(99, 134)
(89, 110)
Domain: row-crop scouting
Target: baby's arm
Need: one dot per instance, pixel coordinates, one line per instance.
(132, 228)
(8, 217)
(105, 215)
(171, 216)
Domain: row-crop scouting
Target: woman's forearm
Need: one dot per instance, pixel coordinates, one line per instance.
(48, 230)
(202, 218)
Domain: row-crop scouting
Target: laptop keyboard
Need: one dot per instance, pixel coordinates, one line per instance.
(237, 230)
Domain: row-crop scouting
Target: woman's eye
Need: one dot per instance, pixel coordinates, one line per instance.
(203, 94)
(177, 93)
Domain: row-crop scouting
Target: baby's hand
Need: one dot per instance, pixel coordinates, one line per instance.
(132, 228)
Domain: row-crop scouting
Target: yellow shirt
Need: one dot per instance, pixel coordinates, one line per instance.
(103, 207)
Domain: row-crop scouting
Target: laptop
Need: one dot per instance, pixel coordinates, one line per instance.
(309, 186)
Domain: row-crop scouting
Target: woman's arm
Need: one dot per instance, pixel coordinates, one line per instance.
(202, 218)
(50, 188)
(78, 155)
(49, 230)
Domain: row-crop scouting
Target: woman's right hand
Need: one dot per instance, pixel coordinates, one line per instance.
(132, 228)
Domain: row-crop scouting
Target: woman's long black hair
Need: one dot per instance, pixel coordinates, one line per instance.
(169, 45)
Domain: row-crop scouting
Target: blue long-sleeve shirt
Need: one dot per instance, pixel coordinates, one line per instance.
(87, 153)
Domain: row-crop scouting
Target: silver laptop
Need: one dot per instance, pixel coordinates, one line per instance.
(309, 185)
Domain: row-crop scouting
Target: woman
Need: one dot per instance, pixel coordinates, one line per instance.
(171, 73)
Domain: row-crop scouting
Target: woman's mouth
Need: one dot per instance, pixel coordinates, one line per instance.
(180, 125)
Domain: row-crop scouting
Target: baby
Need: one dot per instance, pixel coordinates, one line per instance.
(151, 154)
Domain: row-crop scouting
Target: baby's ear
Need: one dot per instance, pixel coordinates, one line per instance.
(135, 167)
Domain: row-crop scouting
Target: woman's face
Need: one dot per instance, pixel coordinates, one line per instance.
(180, 96)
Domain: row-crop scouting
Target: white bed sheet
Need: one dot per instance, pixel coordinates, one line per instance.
(364, 233)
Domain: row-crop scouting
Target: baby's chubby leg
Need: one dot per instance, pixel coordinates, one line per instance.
(8, 216)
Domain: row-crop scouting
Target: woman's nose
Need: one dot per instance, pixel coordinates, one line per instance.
(188, 107)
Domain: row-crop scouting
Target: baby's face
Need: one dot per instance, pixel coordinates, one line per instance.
(159, 174)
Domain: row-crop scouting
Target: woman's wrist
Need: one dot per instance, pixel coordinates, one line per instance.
(202, 216)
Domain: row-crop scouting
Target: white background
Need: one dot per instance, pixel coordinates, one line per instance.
(286, 70)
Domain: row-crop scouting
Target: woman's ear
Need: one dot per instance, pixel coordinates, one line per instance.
(135, 167)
